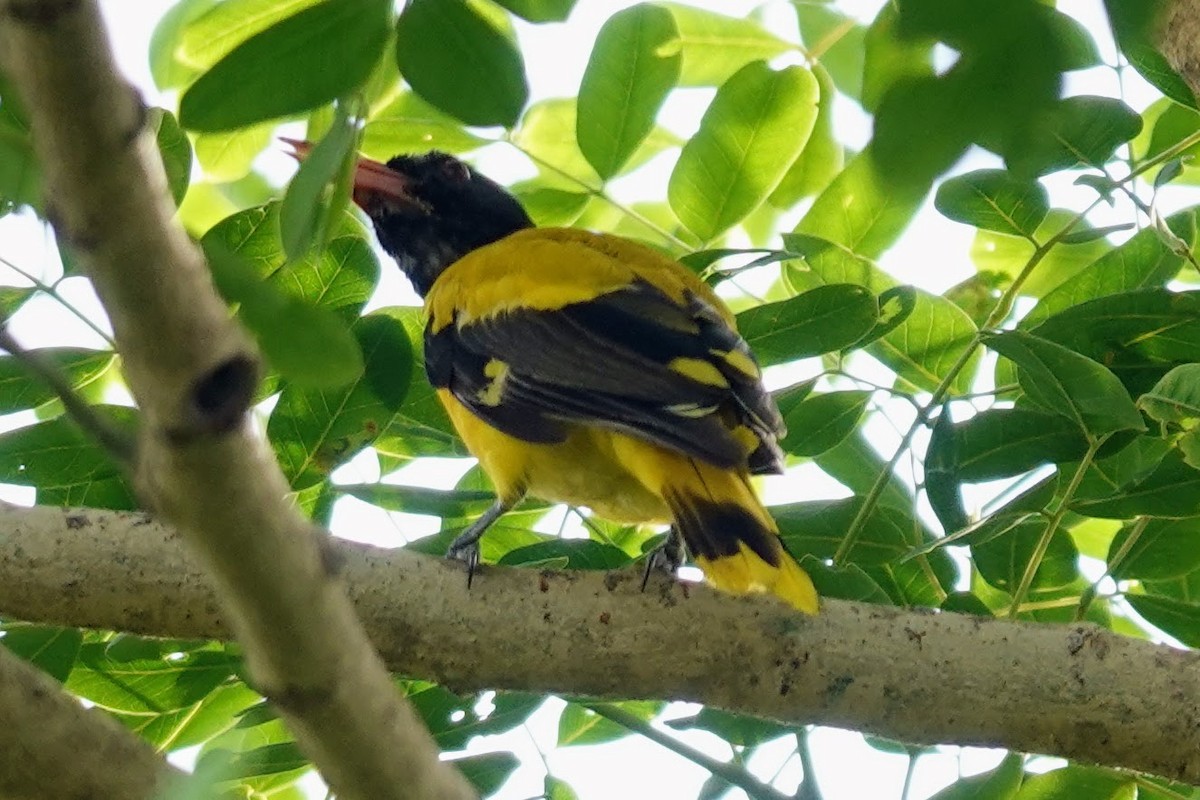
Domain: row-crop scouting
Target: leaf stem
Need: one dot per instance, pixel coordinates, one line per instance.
(116, 442)
(730, 773)
(808, 789)
(1135, 533)
(999, 314)
(1039, 552)
(46, 288)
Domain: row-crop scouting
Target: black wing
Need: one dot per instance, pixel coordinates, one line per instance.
(632, 359)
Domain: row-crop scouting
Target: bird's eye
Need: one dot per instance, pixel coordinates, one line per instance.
(455, 171)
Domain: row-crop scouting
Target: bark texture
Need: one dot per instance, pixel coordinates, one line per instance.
(46, 729)
(1076, 691)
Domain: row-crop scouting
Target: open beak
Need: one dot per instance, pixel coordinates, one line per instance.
(375, 184)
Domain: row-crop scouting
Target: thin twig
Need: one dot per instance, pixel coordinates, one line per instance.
(53, 292)
(120, 445)
(1039, 551)
(729, 773)
(808, 788)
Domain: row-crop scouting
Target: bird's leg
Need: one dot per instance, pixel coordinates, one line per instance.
(667, 558)
(465, 546)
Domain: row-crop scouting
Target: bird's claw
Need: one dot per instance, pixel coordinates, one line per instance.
(467, 553)
(668, 558)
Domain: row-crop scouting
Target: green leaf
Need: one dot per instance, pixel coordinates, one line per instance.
(1002, 442)
(1000, 783)
(456, 503)
(212, 36)
(340, 277)
(1002, 560)
(821, 422)
(229, 155)
(315, 431)
(1079, 131)
(1005, 257)
(995, 200)
(581, 725)
(1064, 382)
(942, 483)
(1171, 490)
(20, 172)
(715, 46)
(850, 582)
(1070, 783)
(567, 554)
(409, 124)
(1176, 396)
(932, 333)
(148, 685)
(215, 713)
(13, 298)
(1138, 335)
(634, 64)
(309, 60)
(859, 211)
(740, 730)
(889, 58)
(65, 464)
(455, 720)
(825, 319)
(304, 210)
(421, 428)
(1164, 549)
(540, 10)
(175, 150)
(1143, 261)
(817, 527)
(459, 56)
(253, 236)
(823, 155)
(549, 207)
(51, 649)
(1135, 25)
(755, 127)
(941, 113)
(840, 40)
(487, 772)
(1179, 618)
(269, 759)
(307, 344)
(167, 67)
(20, 389)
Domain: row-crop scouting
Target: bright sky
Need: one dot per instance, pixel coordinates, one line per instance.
(932, 254)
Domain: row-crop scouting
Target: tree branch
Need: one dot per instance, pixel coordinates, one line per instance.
(193, 373)
(45, 728)
(1076, 691)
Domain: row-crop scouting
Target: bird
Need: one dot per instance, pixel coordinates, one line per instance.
(586, 368)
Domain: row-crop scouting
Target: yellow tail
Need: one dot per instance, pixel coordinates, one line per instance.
(732, 537)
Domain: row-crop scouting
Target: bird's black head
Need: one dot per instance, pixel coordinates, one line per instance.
(431, 210)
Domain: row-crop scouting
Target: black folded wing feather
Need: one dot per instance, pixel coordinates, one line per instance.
(608, 361)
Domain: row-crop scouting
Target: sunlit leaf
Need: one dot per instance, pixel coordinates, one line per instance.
(321, 53)
(635, 62)
(754, 128)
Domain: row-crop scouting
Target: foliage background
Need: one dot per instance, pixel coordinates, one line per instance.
(1050, 475)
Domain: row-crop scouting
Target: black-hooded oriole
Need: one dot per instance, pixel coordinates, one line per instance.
(588, 369)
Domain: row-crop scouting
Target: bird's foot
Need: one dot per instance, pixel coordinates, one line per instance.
(668, 558)
(465, 548)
